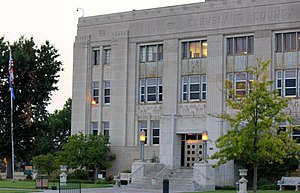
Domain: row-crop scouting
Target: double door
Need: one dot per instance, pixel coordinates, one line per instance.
(192, 150)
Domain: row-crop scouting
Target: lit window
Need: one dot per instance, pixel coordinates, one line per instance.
(106, 91)
(95, 92)
(194, 49)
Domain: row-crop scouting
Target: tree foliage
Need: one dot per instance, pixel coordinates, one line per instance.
(86, 150)
(55, 131)
(255, 137)
(36, 74)
(44, 164)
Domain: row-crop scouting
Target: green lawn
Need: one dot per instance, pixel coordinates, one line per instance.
(31, 185)
(16, 191)
(249, 191)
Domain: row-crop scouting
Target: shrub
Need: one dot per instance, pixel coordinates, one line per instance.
(78, 175)
(28, 177)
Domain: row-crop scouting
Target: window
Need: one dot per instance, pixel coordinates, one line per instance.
(151, 53)
(241, 83)
(94, 128)
(194, 49)
(286, 42)
(286, 82)
(143, 127)
(105, 128)
(95, 92)
(240, 45)
(155, 132)
(107, 55)
(152, 133)
(295, 134)
(95, 56)
(151, 90)
(193, 88)
(106, 91)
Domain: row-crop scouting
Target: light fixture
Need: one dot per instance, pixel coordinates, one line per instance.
(204, 135)
(142, 136)
(94, 102)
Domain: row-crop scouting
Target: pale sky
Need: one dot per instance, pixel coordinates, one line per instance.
(56, 21)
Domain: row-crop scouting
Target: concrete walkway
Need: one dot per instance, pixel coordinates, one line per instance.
(114, 190)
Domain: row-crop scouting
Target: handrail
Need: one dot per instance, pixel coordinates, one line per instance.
(162, 170)
(137, 170)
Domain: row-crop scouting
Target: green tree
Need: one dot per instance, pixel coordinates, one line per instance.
(44, 164)
(36, 74)
(84, 151)
(256, 137)
(55, 131)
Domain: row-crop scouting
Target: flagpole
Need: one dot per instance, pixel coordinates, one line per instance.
(11, 115)
(12, 136)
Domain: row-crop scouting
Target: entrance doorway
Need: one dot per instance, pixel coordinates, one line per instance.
(191, 150)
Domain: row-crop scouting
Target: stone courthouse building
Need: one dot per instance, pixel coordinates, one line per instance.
(163, 70)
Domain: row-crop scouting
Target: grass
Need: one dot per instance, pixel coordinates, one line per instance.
(29, 186)
(249, 191)
(16, 191)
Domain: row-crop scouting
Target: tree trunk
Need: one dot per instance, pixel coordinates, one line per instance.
(9, 168)
(255, 166)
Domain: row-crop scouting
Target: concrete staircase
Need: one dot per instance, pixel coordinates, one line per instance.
(179, 180)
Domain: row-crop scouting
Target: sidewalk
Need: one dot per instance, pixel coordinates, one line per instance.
(114, 190)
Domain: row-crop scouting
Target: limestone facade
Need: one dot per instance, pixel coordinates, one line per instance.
(162, 70)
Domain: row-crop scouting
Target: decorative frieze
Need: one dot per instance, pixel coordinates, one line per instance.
(193, 109)
(149, 110)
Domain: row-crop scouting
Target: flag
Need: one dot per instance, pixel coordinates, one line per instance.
(11, 74)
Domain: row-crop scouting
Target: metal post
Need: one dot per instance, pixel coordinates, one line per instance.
(142, 151)
(204, 151)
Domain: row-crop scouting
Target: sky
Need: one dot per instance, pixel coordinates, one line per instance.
(56, 21)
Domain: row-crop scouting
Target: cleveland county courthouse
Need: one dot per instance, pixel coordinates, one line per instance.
(163, 70)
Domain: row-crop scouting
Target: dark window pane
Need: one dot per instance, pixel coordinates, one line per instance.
(278, 42)
(151, 98)
(290, 91)
(106, 100)
(290, 83)
(107, 92)
(155, 140)
(160, 97)
(204, 87)
(279, 92)
(278, 83)
(194, 87)
(155, 132)
(151, 89)
(250, 45)
(194, 96)
(160, 89)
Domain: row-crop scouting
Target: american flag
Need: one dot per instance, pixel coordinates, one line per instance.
(11, 74)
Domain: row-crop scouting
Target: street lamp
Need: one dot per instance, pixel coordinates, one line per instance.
(204, 139)
(142, 141)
